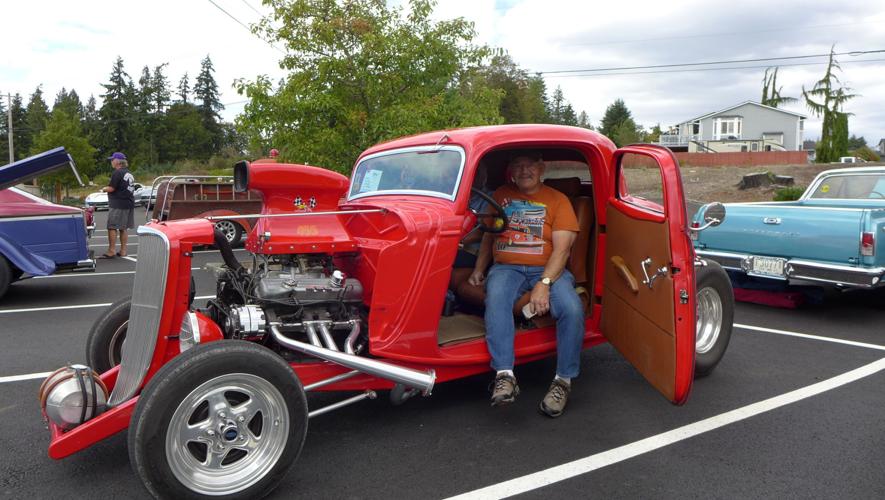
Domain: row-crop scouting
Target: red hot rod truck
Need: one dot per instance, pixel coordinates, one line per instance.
(344, 290)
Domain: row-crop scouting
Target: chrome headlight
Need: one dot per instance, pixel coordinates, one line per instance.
(189, 335)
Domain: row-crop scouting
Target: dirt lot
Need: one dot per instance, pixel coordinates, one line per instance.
(704, 184)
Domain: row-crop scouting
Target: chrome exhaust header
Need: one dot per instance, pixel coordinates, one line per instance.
(421, 380)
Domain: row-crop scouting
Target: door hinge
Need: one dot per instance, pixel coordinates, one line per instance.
(683, 296)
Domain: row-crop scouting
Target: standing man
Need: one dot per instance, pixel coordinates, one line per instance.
(121, 205)
(531, 255)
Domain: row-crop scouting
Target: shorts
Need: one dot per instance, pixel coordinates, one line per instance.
(121, 218)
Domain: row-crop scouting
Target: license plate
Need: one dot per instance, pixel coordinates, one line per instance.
(769, 266)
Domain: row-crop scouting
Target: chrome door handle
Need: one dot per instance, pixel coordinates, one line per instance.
(771, 220)
(650, 281)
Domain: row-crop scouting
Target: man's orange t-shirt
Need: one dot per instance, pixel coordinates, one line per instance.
(528, 239)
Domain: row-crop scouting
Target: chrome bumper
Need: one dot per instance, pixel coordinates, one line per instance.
(834, 274)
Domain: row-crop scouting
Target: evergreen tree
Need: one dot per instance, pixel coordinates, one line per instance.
(523, 98)
(615, 114)
(184, 89)
(4, 130)
(771, 93)
(206, 90)
(116, 131)
(856, 142)
(21, 137)
(69, 102)
(831, 97)
(584, 121)
(36, 115)
(160, 85)
(626, 133)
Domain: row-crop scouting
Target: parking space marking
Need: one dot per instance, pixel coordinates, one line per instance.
(582, 466)
(103, 246)
(80, 306)
(29, 376)
(807, 336)
(76, 275)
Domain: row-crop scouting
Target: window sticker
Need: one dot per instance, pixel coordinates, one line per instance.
(825, 188)
(371, 181)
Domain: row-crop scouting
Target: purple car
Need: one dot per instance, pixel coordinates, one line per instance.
(39, 238)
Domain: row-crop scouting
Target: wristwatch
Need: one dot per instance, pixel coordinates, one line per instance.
(547, 281)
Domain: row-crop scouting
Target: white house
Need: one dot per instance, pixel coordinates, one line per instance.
(748, 126)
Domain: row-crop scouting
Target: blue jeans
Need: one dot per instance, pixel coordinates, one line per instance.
(504, 285)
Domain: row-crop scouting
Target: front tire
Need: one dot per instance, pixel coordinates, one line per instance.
(225, 419)
(105, 342)
(715, 317)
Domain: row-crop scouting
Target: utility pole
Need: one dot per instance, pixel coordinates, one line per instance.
(9, 130)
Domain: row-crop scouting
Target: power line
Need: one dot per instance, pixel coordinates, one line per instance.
(253, 9)
(592, 75)
(246, 26)
(709, 63)
(709, 35)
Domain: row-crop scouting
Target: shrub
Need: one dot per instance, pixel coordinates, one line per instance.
(789, 193)
(866, 153)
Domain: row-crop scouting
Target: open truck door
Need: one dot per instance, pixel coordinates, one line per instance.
(648, 304)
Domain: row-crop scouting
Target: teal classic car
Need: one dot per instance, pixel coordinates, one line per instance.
(830, 236)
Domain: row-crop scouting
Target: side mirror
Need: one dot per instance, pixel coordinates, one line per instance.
(713, 214)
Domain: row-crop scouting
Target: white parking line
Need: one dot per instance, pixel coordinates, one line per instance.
(76, 275)
(81, 306)
(105, 246)
(807, 336)
(593, 462)
(30, 376)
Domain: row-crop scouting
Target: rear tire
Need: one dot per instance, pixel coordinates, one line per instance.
(202, 426)
(231, 230)
(715, 317)
(105, 341)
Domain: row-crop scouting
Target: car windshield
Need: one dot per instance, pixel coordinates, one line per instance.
(851, 187)
(429, 171)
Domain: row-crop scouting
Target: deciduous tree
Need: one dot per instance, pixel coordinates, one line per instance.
(361, 72)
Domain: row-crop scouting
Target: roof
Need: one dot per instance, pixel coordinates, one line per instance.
(481, 139)
(800, 115)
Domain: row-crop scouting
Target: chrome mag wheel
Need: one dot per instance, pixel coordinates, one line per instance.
(709, 319)
(227, 434)
(230, 230)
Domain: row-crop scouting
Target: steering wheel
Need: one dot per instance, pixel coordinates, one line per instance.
(498, 215)
(880, 195)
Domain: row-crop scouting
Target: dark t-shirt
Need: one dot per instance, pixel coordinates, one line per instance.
(124, 185)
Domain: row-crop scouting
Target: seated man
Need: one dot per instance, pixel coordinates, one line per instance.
(531, 255)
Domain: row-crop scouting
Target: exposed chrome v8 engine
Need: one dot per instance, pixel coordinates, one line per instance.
(303, 295)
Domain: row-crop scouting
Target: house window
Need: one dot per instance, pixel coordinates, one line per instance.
(754, 146)
(696, 128)
(744, 148)
(726, 128)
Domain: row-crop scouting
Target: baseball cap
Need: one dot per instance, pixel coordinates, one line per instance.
(117, 156)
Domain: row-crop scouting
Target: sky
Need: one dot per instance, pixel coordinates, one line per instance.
(74, 44)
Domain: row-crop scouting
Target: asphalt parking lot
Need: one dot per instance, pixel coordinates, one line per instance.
(795, 409)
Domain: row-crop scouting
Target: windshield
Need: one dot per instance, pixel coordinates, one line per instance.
(429, 171)
(851, 187)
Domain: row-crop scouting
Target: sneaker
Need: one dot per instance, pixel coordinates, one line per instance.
(554, 402)
(504, 390)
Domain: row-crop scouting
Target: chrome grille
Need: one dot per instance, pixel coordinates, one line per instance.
(148, 293)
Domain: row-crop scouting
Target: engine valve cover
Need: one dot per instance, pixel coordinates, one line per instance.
(309, 290)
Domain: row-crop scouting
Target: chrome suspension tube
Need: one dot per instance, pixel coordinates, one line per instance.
(421, 380)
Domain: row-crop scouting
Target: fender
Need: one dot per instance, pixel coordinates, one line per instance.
(222, 212)
(24, 259)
